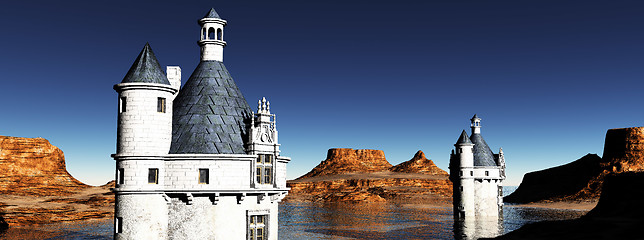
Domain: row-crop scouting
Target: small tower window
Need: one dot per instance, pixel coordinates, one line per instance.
(119, 176)
(118, 225)
(460, 173)
(161, 105)
(487, 173)
(203, 34)
(122, 104)
(471, 173)
(211, 33)
(153, 175)
(204, 176)
(460, 188)
(264, 169)
(220, 34)
(257, 225)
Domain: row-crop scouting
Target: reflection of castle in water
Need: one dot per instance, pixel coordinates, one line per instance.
(477, 174)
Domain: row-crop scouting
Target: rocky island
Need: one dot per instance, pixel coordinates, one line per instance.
(365, 175)
(35, 187)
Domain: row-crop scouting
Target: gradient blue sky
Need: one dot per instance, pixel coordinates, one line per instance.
(548, 78)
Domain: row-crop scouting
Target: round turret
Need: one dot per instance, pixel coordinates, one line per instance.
(212, 37)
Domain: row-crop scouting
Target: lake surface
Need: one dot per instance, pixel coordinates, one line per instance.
(343, 221)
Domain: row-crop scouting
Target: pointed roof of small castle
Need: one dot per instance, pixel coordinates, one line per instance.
(463, 139)
(210, 114)
(146, 69)
(212, 14)
(483, 155)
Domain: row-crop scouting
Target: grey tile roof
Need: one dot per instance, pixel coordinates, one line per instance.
(212, 14)
(483, 155)
(210, 114)
(464, 138)
(146, 69)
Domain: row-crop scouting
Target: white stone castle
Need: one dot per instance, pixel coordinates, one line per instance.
(195, 162)
(477, 175)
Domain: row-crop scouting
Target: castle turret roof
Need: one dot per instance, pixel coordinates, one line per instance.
(464, 139)
(146, 69)
(483, 155)
(212, 14)
(210, 114)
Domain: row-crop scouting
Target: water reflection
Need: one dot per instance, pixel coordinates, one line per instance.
(341, 221)
(478, 228)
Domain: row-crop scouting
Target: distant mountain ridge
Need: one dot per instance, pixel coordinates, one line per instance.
(365, 175)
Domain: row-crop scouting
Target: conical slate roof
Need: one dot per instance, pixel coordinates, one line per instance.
(146, 69)
(483, 155)
(210, 114)
(463, 139)
(212, 14)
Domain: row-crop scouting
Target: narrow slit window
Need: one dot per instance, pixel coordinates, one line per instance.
(122, 104)
(118, 225)
(120, 178)
(487, 173)
(153, 176)
(161, 105)
(219, 34)
(471, 173)
(204, 176)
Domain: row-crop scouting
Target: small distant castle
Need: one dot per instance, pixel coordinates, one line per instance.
(195, 162)
(477, 175)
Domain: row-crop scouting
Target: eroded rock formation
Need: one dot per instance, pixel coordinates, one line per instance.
(349, 175)
(419, 164)
(35, 187)
(583, 179)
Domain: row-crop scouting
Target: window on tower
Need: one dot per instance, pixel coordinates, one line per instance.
(211, 33)
(153, 175)
(119, 176)
(203, 34)
(257, 226)
(219, 34)
(161, 105)
(204, 176)
(118, 225)
(264, 169)
(487, 173)
(122, 104)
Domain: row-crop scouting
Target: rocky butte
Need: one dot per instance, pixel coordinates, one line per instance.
(365, 175)
(582, 179)
(35, 187)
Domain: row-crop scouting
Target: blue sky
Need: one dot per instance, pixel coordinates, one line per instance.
(548, 78)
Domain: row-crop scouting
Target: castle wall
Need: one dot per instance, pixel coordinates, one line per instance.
(224, 174)
(141, 128)
(143, 216)
(135, 174)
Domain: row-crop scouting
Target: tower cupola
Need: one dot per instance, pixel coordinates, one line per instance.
(212, 37)
(476, 125)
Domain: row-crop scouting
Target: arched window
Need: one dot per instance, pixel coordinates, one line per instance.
(203, 34)
(219, 34)
(211, 33)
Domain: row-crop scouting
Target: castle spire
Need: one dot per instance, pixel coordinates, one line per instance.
(212, 37)
(476, 125)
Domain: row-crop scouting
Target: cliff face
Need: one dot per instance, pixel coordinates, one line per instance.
(35, 187)
(32, 166)
(347, 160)
(583, 179)
(419, 164)
(349, 175)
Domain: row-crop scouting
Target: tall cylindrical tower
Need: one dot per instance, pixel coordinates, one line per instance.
(144, 134)
(464, 186)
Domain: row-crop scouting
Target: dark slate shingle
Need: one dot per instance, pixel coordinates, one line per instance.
(146, 69)
(212, 14)
(219, 126)
(483, 155)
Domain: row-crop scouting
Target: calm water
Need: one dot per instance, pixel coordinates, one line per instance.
(342, 221)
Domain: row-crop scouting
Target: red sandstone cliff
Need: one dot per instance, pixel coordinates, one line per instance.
(347, 160)
(349, 175)
(583, 179)
(32, 166)
(35, 187)
(419, 164)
